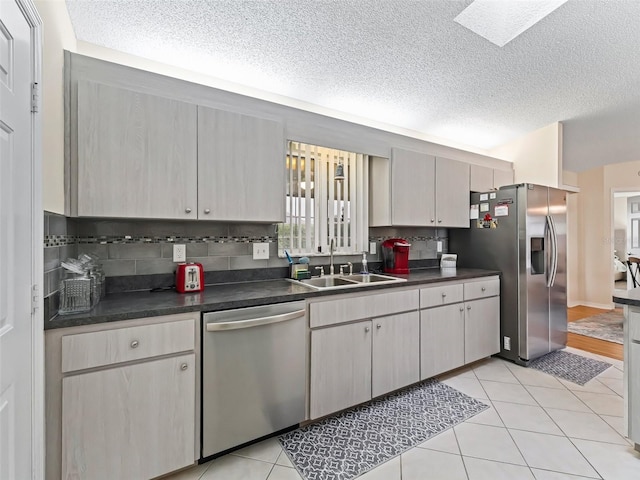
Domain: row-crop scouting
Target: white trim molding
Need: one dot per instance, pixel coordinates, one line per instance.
(30, 12)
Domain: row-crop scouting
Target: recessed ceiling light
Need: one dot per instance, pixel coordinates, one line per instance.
(500, 21)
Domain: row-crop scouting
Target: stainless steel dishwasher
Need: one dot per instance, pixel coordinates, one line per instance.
(253, 374)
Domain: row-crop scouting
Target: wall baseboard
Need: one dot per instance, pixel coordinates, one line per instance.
(603, 306)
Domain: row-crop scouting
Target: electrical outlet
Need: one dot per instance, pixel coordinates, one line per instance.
(179, 253)
(372, 248)
(439, 247)
(261, 251)
(507, 343)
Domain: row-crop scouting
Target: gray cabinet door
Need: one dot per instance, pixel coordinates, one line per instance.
(412, 188)
(241, 167)
(480, 178)
(502, 178)
(481, 329)
(340, 368)
(452, 193)
(396, 352)
(135, 421)
(441, 339)
(136, 154)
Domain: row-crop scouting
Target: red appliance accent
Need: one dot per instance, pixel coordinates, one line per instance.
(189, 277)
(395, 256)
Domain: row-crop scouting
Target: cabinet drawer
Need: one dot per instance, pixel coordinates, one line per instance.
(346, 309)
(441, 295)
(482, 288)
(95, 349)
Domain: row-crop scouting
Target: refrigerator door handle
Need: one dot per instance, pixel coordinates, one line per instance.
(554, 251)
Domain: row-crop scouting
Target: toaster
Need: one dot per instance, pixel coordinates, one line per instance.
(189, 277)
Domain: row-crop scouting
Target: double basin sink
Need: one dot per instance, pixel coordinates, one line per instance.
(345, 281)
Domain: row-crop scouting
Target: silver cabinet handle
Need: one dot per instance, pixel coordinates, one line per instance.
(468, 307)
(444, 295)
(184, 366)
(188, 210)
(432, 220)
(378, 326)
(207, 211)
(461, 309)
(135, 344)
(439, 221)
(366, 329)
(483, 289)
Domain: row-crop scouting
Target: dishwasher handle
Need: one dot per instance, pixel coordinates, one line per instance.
(254, 322)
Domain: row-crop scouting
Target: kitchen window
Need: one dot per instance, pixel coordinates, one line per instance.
(327, 193)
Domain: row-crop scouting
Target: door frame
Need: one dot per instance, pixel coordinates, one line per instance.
(613, 192)
(37, 241)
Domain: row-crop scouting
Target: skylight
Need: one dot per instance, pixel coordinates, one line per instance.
(500, 21)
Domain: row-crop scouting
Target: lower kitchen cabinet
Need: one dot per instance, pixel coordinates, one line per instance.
(481, 328)
(459, 324)
(631, 379)
(353, 362)
(340, 367)
(396, 352)
(122, 398)
(441, 339)
(134, 421)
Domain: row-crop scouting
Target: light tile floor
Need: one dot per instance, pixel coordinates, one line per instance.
(537, 428)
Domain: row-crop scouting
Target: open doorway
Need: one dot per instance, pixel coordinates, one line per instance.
(626, 236)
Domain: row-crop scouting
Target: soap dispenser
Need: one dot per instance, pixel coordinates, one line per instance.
(364, 270)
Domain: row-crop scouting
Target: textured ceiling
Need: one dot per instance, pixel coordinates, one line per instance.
(406, 63)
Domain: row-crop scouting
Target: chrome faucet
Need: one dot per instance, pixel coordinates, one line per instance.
(348, 264)
(332, 246)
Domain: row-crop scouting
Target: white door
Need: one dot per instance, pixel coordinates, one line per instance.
(16, 394)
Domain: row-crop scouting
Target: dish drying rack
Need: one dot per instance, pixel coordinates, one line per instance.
(83, 286)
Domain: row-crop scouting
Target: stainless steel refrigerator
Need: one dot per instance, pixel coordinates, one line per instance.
(521, 231)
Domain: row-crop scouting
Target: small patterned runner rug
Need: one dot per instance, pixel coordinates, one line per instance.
(606, 326)
(569, 366)
(353, 442)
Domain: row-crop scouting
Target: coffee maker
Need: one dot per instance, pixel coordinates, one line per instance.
(395, 256)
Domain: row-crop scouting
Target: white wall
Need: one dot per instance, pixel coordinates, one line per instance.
(596, 234)
(536, 157)
(58, 36)
(573, 257)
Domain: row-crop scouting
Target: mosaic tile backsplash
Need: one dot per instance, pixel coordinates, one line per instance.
(138, 254)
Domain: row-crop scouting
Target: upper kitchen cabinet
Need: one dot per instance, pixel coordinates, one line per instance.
(502, 178)
(452, 193)
(241, 167)
(136, 155)
(412, 188)
(483, 179)
(416, 189)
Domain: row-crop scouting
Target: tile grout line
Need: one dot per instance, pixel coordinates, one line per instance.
(565, 436)
(455, 435)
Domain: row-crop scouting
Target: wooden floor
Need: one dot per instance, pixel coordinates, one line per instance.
(593, 345)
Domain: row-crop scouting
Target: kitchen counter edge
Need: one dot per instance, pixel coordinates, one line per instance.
(628, 297)
(132, 305)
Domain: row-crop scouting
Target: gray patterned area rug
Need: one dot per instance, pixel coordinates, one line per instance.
(353, 442)
(569, 366)
(606, 326)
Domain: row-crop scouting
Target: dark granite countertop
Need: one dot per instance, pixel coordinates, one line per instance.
(124, 306)
(628, 297)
